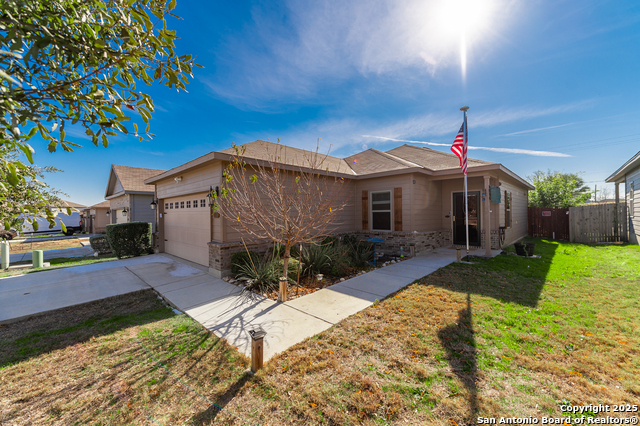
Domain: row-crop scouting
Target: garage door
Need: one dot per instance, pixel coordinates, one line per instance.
(187, 227)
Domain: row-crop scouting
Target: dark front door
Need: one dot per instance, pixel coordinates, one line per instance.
(459, 232)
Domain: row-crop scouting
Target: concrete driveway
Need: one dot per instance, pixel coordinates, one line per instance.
(224, 309)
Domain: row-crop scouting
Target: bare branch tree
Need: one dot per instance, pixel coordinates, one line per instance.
(287, 197)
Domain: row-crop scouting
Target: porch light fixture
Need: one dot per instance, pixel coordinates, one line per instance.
(124, 211)
(154, 204)
(210, 197)
(108, 213)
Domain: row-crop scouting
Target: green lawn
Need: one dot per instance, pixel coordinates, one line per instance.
(508, 336)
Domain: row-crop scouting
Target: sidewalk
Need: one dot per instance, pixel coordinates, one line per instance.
(229, 313)
(224, 309)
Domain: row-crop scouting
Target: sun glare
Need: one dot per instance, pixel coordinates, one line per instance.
(463, 21)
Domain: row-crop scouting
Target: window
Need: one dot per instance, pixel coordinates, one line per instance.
(182, 204)
(202, 204)
(381, 211)
(166, 206)
(171, 205)
(507, 209)
(189, 204)
(195, 203)
(631, 200)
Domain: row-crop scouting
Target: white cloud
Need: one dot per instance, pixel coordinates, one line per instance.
(293, 54)
(348, 135)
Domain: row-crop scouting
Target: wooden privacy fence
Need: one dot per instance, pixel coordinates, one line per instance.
(548, 223)
(597, 223)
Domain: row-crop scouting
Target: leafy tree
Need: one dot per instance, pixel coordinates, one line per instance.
(77, 63)
(29, 198)
(557, 190)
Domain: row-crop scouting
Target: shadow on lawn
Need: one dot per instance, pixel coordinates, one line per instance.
(459, 342)
(207, 416)
(76, 324)
(508, 278)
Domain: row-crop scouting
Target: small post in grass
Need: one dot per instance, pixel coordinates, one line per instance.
(37, 259)
(458, 255)
(282, 295)
(257, 334)
(4, 254)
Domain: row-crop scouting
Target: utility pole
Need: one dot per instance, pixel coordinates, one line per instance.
(595, 194)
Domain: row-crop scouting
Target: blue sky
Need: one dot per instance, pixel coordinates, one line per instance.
(559, 77)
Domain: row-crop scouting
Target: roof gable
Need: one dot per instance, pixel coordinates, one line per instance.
(432, 159)
(124, 179)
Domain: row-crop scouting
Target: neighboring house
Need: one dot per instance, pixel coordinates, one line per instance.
(629, 174)
(129, 197)
(95, 218)
(408, 196)
(72, 222)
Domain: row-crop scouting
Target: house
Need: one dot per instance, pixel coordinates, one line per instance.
(129, 197)
(95, 218)
(408, 196)
(629, 174)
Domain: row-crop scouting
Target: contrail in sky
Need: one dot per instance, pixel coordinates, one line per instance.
(485, 148)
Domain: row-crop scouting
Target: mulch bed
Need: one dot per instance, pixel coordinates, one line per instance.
(309, 285)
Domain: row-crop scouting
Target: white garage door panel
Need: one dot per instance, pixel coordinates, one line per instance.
(187, 230)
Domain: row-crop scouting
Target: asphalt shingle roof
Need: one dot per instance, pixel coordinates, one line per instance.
(432, 159)
(132, 178)
(262, 150)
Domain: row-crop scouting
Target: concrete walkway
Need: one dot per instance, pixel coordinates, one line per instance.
(222, 308)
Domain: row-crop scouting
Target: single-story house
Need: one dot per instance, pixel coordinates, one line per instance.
(95, 219)
(629, 174)
(407, 196)
(129, 197)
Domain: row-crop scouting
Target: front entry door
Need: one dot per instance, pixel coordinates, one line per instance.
(459, 232)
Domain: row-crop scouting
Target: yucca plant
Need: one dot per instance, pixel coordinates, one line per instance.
(260, 275)
(361, 253)
(317, 259)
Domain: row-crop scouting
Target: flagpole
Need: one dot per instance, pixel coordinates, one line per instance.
(466, 198)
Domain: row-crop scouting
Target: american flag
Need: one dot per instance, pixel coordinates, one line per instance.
(459, 148)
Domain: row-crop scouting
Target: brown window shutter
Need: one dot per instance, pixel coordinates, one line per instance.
(397, 209)
(365, 210)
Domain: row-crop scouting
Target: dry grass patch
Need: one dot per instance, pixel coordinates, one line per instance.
(104, 363)
(29, 246)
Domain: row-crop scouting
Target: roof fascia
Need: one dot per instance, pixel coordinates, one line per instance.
(619, 175)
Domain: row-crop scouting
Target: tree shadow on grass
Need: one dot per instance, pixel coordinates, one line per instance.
(76, 324)
(459, 342)
(507, 278)
(207, 416)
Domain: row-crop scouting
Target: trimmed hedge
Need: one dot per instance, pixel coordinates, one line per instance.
(130, 239)
(100, 244)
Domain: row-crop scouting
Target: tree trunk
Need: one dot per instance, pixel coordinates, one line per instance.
(287, 254)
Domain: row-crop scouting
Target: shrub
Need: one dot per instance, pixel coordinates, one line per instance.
(242, 258)
(341, 261)
(277, 250)
(262, 275)
(317, 259)
(292, 276)
(130, 239)
(361, 253)
(100, 244)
